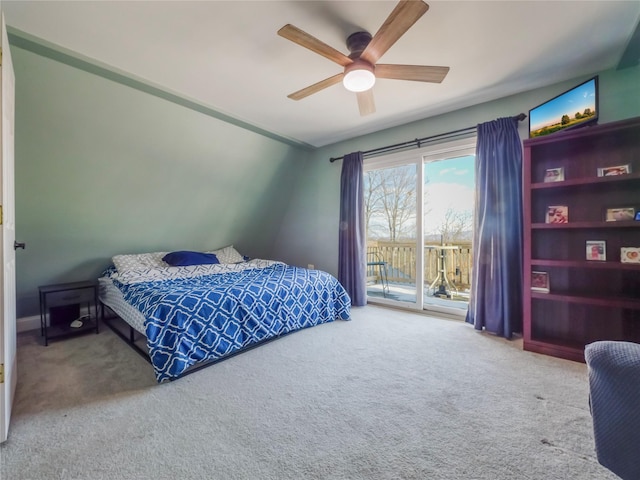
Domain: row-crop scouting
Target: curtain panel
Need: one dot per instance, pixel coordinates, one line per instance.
(352, 269)
(495, 302)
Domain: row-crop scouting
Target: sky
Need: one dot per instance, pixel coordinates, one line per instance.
(576, 100)
(449, 184)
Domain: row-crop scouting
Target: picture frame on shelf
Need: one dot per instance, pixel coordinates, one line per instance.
(620, 214)
(597, 250)
(557, 214)
(637, 218)
(540, 282)
(554, 175)
(615, 170)
(630, 254)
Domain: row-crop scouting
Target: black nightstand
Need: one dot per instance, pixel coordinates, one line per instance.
(68, 295)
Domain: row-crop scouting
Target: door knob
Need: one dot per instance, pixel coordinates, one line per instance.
(17, 245)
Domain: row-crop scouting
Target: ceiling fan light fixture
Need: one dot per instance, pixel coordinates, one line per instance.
(358, 76)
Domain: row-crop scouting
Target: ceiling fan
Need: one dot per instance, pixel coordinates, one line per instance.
(360, 68)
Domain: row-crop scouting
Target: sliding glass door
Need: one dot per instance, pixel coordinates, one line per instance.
(449, 193)
(418, 213)
(390, 219)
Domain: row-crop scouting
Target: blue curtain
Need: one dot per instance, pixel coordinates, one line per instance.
(495, 303)
(352, 268)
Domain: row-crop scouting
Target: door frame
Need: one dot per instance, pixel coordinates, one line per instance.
(399, 160)
(8, 333)
(439, 150)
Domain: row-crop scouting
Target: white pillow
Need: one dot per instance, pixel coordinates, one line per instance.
(139, 261)
(228, 255)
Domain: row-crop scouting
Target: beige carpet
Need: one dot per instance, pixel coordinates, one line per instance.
(388, 395)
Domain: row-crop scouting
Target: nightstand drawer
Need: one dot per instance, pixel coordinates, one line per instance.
(70, 297)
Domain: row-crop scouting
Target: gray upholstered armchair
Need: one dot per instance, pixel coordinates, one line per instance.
(614, 383)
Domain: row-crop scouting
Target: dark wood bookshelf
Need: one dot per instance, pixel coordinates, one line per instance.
(588, 300)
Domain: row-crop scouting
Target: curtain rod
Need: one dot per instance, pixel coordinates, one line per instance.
(418, 141)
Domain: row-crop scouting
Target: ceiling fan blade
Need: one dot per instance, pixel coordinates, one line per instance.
(303, 39)
(316, 87)
(417, 73)
(365, 102)
(406, 13)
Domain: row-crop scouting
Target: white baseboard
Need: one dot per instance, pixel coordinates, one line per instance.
(28, 323)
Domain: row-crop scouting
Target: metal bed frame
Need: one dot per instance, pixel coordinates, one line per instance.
(133, 335)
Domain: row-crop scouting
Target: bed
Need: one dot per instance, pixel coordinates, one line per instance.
(192, 314)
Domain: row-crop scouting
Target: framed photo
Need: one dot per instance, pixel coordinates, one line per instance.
(540, 282)
(620, 214)
(554, 175)
(637, 216)
(630, 254)
(617, 170)
(557, 214)
(597, 250)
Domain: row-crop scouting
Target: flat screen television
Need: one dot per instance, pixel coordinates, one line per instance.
(574, 108)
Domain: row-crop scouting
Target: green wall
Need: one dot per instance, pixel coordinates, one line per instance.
(310, 227)
(103, 169)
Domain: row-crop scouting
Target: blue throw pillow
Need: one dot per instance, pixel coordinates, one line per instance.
(184, 258)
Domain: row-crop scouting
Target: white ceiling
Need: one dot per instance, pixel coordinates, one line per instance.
(227, 56)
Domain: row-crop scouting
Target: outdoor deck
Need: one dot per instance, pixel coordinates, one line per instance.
(447, 274)
(407, 293)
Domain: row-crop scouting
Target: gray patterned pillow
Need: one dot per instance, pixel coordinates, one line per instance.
(139, 261)
(228, 255)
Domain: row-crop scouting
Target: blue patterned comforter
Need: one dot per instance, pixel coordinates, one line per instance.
(209, 316)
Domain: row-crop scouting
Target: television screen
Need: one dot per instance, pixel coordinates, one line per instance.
(574, 108)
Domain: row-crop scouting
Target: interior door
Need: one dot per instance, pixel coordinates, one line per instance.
(7, 234)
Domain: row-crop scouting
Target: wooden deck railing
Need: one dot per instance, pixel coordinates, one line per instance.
(400, 258)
